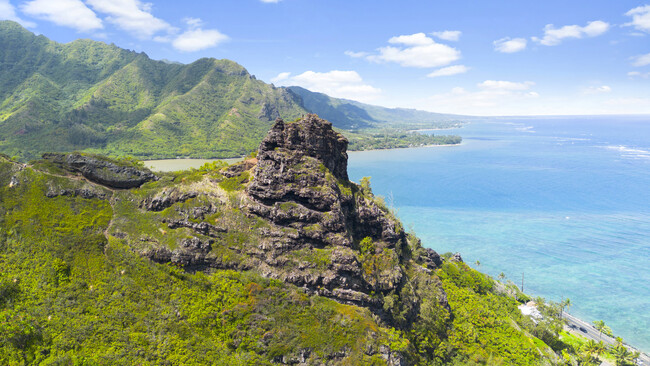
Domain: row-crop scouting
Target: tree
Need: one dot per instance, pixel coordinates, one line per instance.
(566, 303)
(602, 328)
(625, 357)
(619, 342)
(365, 185)
(588, 350)
(600, 348)
(502, 276)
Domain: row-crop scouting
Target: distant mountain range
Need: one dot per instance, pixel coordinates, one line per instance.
(90, 96)
(348, 114)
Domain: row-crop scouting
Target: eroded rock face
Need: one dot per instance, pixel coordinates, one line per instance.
(300, 185)
(310, 136)
(102, 171)
(165, 199)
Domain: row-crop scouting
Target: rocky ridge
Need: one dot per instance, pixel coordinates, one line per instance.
(101, 171)
(308, 225)
(289, 228)
(301, 182)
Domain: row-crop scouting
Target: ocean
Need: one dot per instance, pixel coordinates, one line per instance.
(564, 201)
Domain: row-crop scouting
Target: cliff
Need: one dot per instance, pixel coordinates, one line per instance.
(279, 259)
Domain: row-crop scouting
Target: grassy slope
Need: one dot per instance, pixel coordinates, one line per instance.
(70, 295)
(74, 289)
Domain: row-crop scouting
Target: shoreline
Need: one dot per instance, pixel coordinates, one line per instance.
(179, 164)
(409, 147)
(574, 324)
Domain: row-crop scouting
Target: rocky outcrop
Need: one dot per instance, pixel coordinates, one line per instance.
(300, 185)
(166, 199)
(193, 253)
(431, 258)
(310, 136)
(102, 171)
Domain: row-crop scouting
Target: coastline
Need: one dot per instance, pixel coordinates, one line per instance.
(576, 325)
(172, 165)
(178, 164)
(408, 147)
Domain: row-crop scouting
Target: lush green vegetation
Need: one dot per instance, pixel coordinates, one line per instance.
(87, 95)
(391, 139)
(71, 295)
(94, 97)
(76, 288)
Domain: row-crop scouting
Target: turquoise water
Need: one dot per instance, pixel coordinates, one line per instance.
(566, 201)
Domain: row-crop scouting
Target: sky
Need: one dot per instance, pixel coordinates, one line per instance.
(489, 58)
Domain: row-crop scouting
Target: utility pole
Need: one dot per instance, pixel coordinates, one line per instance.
(522, 281)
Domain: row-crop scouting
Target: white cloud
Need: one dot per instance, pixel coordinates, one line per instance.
(505, 85)
(641, 60)
(281, 76)
(193, 23)
(8, 12)
(448, 35)
(339, 84)
(194, 38)
(132, 16)
(356, 54)
(554, 36)
(416, 50)
(598, 89)
(449, 70)
(637, 74)
(640, 18)
(68, 13)
(198, 39)
(492, 98)
(510, 45)
(417, 39)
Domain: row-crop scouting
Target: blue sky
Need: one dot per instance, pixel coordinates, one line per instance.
(463, 56)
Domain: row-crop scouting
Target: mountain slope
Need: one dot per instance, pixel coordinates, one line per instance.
(349, 114)
(87, 95)
(277, 260)
(90, 96)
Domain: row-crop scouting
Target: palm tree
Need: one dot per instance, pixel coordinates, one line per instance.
(624, 357)
(567, 304)
(619, 342)
(600, 325)
(588, 350)
(600, 348)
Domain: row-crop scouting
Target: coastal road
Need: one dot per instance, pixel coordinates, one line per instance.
(590, 332)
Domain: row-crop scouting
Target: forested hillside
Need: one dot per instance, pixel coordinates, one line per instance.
(87, 95)
(90, 96)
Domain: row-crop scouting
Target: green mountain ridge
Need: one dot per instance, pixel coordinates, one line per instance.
(89, 96)
(350, 114)
(86, 95)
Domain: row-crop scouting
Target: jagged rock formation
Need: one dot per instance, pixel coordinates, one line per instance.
(294, 254)
(301, 182)
(102, 171)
